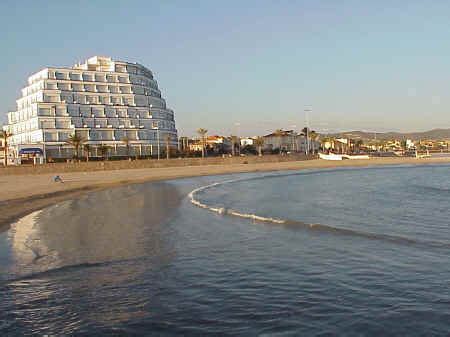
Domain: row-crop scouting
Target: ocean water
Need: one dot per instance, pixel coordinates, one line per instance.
(354, 252)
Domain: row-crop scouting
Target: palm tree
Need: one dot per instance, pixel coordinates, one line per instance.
(326, 140)
(234, 140)
(202, 132)
(5, 135)
(313, 135)
(126, 141)
(305, 132)
(76, 141)
(87, 149)
(104, 151)
(279, 133)
(167, 138)
(358, 144)
(259, 142)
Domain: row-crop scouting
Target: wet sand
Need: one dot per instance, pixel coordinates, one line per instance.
(23, 194)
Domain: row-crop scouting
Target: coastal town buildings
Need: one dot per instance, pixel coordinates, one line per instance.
(247, 141)
(214, 144)
(287, 141)
(2, 151)
(107, 103)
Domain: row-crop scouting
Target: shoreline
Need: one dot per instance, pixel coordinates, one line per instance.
(23, 194)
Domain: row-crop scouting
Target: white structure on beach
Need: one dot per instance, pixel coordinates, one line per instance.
(106, 102)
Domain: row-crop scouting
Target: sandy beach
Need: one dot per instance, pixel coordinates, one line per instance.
(23, 194)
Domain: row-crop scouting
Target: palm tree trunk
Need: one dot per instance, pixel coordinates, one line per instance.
(167, 150)
(203, 147)
(5, 153)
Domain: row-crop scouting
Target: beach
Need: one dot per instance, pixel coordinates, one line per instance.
(24, 193)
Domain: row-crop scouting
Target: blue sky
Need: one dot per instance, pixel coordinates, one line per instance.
(249, 67)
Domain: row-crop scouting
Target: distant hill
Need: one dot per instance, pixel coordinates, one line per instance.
(435, 134)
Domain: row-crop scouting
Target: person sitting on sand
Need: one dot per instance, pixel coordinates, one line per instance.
(58, 179)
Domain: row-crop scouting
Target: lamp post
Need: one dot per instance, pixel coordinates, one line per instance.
(238, 132)
(137, 134)
(43, 145)
(294, 139)
(155, 126)
(307, 110)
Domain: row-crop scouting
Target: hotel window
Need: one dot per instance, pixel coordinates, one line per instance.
(111, 78)
(99, 78)
(52, 86)
(79, 99)
(116, 100)
(73, 110)
(113, 89)
(119, 134)
(89, 87)
(128, 101)
(92, 100)
(62, 124)
(63, 136)
(77, 87)
(102, 88)
(50, 136)
(75, 77)
(131, 134)
(66, 98)
(114, 122)
(83, 133)
(51, 98)
(61, 111)
(98, 112)
(63, 86)
(110, 112)
(60, 75)
(104, 100)
(120, 68)
(87, 77)
(125, 90)
(143, 134)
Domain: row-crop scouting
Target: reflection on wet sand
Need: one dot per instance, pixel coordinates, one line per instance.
(102, 241)
(117, 224)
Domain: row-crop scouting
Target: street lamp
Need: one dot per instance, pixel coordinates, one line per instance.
(43, 145)
(155, 126)
(307, 110)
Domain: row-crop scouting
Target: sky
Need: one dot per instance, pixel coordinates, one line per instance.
(250, 67)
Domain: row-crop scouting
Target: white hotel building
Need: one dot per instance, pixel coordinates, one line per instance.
(102, 100)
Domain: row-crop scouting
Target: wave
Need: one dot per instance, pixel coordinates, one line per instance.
(301, 224)
(433, 189)
(49, 272)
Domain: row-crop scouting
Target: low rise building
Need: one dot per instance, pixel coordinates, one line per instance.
(285, 141)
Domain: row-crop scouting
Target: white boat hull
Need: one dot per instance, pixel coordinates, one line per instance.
(356, 156)
(330, 156)
(333, 156)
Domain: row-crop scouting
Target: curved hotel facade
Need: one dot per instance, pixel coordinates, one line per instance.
(106, 102)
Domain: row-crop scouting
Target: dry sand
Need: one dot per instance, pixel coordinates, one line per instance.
(23, 194)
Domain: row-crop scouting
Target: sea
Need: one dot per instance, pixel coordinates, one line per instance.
(331, 252)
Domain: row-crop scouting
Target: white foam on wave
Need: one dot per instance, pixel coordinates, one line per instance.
(228, 211)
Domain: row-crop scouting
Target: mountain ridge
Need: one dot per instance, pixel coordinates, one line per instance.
(433, 134)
